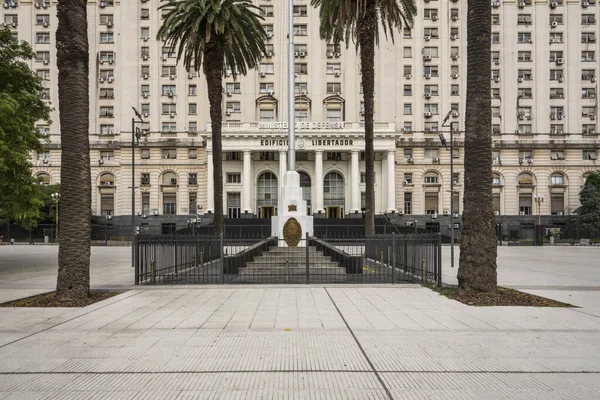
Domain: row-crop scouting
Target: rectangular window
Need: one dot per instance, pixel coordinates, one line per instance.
(192, 108)
(431, 203)
(300, 29)
(169, 204)
(407, 203)
(192, 153)
(233, 107)
(301, 68)
(525, 204)
(589, 155)
(431, 153)
(334, 88)
(42, 37)
(146, 201)
(145, 154)
(107, 37)
(267, 114)
(233, 87)
(107, 155)
(496, 203)
(234, 177)
(300, 11)
(169, 154)
(234, 202)
(267, 88)
(169, 127)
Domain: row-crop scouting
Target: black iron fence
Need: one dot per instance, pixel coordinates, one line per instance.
(102, 234)
(528, 234)
(209, 259)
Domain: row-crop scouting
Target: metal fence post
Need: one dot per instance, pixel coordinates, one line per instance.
(136, 259)
(222, 258)
(439, 260)
(393, 255)
(423, 271)
(307, 261)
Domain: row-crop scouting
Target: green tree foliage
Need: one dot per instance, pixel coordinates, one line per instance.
(589, 211)
(215, 35)
(20, 108)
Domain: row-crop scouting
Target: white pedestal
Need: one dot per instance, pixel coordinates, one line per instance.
(290, 205)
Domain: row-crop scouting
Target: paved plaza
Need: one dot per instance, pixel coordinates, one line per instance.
(302, 342)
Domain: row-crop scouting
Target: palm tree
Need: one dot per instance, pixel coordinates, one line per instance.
(358, 20)
(73, 280)
(477, 270)
(219, 35)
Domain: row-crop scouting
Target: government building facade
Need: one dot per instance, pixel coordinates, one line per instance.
(544, 104)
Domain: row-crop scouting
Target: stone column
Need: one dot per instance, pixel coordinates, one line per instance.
(318, 181)
(354, 181)
(282, 165)
(210, 200)
(247, 182)
(391, 184)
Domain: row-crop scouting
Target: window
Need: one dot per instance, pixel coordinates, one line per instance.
(334, 50)
(430, 13)
(169, 90)
(556, 55)
(107, 155)
(233, 156)
(557, 112)
(431, 203)
(145, 90)
(192, 202)
(169, 127)
(233, 107)
(556, 37)
(525, 203)
(524, 37)
(300, 30)
(301, 49)
(107, 129)
(454, 90)
(430, 71)
(168, 52)
(267, 114)
(431, 52)
(525, 155)
(525, 129)
(407, 126)
(168, 70)
(556, 129)
(169, 203)
(334, 88)
(495, 19)
(408, 178)
(524, 19)
(496, 181)
(301, 68)
(588, 93)
(407, 203)
(588, 19)
(557, 155)
(430, 126)
(107, 93)
(266, 11)
(588, 74)
(524, 56)
(45, 155)
(431, 154)
(145, 13)
(334, 68)
(145, 154)
(557, 203)
(192, 179)
(588, 129)
(407, 52)
(145, 199)
(300, 11)
(192, 153)
(431, 33)
(430, 178)
(431, 108)
(168, 109)
(406, 33)
(588, 37)
(407, 71)
(587, 55)
(431, 90)
(234, 177)
(525, 93)
(557, 179)
(145, 33)
(44, 74)
(496, 203)
(496, 156)
(556, 74)
(192, 90)
(107, 112)
(42, 37)
(107, 37)
(496, 112)
(557, 93)
(233, 87)
(524, 74)
(40, 19)
(408, 90)
(267, 87)
(42, 56)
(589, 155)
(234, 201)
(169, 154)
(192, 108)
(301, 88)
(407, 108)
(334, 114)
(106, 19)
(557, 18)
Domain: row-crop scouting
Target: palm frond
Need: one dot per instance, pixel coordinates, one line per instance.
(339, 18)
(189, 25)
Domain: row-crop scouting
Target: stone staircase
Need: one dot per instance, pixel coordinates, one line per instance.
(288, 265)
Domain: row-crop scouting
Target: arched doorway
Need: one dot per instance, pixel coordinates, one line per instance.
(306, 185)
(333, 195)
(266, 191)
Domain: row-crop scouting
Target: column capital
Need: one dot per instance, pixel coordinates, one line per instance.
(354, 151)
(391, 151)
(318, 151)
(247, 151)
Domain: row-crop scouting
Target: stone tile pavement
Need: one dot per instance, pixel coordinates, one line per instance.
(303, 342)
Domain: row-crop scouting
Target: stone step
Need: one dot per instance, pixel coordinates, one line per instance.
(276, 250)
(292, 258)
(264, 266)
(293, 271)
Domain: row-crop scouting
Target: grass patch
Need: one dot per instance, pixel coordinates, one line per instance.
(502, 297)
(50, 300)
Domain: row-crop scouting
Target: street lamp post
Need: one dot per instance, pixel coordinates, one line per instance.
(135, 138)
(443, 140)
(56, 197)
(539, 199)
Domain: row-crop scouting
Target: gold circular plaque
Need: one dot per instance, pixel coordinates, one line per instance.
(292, 232)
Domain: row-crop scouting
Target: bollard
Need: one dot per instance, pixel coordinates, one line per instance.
(424, 272)
(153, 271)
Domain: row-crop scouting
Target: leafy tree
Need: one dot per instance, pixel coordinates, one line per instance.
(20, 108)
(359, 20)
(589, 211)
(477, 269)
(217, 35)
(75, 215)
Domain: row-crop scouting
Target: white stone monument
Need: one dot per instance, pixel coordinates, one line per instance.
(290, 205)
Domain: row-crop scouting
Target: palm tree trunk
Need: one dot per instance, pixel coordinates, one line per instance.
(477, 270)
(366, 38)
(213, 69)
(73, 280)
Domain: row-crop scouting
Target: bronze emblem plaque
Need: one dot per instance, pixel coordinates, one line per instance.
(292, 208)
(292, 232)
